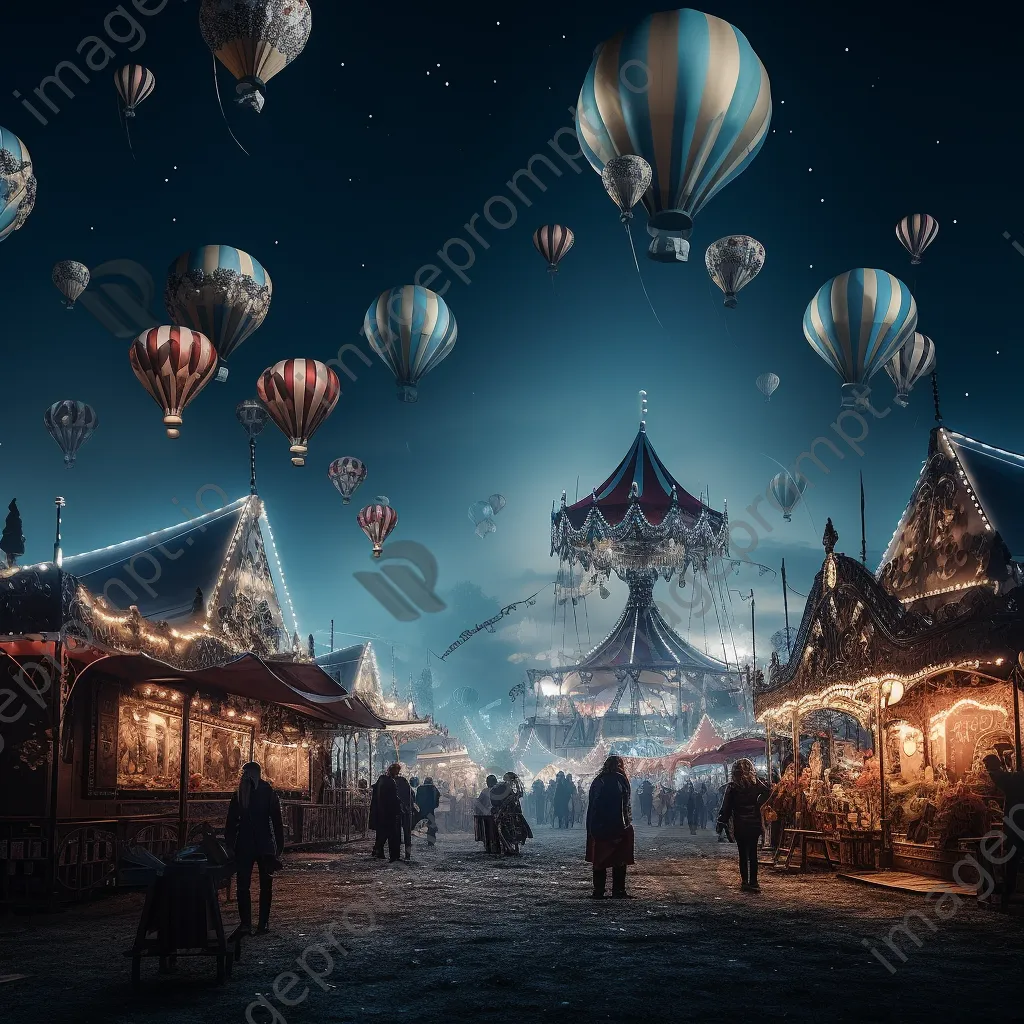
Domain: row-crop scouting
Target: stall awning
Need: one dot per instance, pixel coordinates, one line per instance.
(303, 688)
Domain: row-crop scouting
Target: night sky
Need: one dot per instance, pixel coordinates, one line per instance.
(375, 147)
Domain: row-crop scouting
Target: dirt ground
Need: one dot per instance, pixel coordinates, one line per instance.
(455, 935)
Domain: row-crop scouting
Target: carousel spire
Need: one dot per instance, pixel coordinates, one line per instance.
(643, 410)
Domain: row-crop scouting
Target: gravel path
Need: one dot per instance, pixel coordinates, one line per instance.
(456, 936)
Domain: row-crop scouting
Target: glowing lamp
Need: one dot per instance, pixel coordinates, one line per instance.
(910, 746)
(892, 692)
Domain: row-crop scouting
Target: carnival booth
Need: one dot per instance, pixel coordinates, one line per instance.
(137, 681)
(923, 655)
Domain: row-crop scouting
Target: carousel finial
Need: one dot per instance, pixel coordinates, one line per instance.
(643, 409)
(830, 538)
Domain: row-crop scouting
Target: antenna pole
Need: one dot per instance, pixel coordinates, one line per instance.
(935, 397)
(58, 555)
(785, 606)
(863, 526)
(643, 407)
(332, 636)
(252, 465)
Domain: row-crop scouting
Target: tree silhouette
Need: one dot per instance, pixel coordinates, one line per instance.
(12, 543)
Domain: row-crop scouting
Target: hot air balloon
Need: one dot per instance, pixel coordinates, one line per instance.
(346, 474)
(497, 502)
(733, 262)
(857, 322)
(252, 414)
(685, 91)
(767, 384)
(626, 179)
(412, 329)
(71, 279)
(553, 241)
(174, 364)
(787, 491)
(466, 697)
(377, 522)
(915, 360)
(221, 291)
(17, 184)
(134, 84)
(916, 232)
(70, 424)
(299, 395)
(481, 515)
(255, 39)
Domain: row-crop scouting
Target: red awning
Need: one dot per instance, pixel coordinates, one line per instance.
(303, 688)
(731, 750)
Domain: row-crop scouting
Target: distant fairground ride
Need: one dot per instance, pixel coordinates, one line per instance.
(643, 687)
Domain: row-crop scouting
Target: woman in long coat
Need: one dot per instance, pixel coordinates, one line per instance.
(610, 828)
(255, 834)
(743, 799)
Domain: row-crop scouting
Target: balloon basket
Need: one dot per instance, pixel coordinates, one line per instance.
(298, 460)
(730, 302)
(172, 422)
(377, 551)
(408, 393)
(129, 112)
(902, 401)
(173, 433)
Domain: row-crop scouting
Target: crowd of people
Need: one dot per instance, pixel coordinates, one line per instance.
(561, 803)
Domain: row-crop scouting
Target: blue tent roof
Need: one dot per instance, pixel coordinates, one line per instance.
(159, 573)
(997, 477)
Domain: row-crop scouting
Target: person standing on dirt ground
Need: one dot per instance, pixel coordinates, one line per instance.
(646, 800)
(389, 811)
(255, 835)
(538, 801)
(428, 799)
(373, 820)
(681, 805)
(691, 808)
(610, 828)
(743, 799)
(702, 805)
(1011, 785)
(406, 803)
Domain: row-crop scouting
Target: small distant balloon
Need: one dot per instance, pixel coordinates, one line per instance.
(767, 384)
(553, 241)
(299, 395)
(485, 527)
(71, 279)
(733, 262)
(382, 499)
(497, 502)
(173, 364)
(347, 474)
(253, 415)
(626, 179)
(377, 522)
(70, 424)
(787, 491)
(134, 85)
(916, 232)
(915, 360)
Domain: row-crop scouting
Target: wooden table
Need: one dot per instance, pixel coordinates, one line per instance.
(801, 838)
(182, 917)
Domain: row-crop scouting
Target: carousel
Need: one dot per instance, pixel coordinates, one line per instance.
(924, 655)
(636, 690)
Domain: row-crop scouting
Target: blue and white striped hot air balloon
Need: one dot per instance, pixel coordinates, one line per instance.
(221, 292)
(685, 91)
(916, 359)
(857, 322)
(412, 329)
(17, 184)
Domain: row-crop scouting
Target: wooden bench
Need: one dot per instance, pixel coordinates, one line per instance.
(802, 839)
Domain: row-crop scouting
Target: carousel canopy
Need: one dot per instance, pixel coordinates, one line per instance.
(705, 739)
(653, 492)
(642, 638)
(639, 518)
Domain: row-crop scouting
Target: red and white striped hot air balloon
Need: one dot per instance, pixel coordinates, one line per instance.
(553, 241)
(173, 364)
(134, 84)
(377, 522)
(299, 395)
